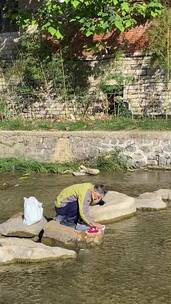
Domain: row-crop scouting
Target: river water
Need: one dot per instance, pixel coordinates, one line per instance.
(132, 266)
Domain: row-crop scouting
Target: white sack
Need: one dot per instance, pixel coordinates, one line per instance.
(33, 210)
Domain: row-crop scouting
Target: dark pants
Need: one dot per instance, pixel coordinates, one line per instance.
(68, 215)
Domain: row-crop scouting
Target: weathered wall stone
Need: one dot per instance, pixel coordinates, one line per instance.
(8, 50)
(146, 93)
(141, 148)
(62, 150)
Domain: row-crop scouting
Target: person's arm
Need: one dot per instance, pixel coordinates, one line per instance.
(84, 209)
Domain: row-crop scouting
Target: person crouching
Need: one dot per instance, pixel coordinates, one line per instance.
(72, 204)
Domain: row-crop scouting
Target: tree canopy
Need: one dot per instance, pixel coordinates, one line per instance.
(89, 16)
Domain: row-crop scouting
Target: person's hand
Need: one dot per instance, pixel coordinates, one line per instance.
(99, 226)
(96, 225)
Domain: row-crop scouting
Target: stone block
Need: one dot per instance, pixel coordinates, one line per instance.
(137, 160)
(152, 162)
(130, 148)
(146, 148)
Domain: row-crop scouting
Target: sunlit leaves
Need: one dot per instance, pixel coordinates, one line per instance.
(54, 32)
(91, 17)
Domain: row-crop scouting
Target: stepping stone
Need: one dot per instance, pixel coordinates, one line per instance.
(56, 234)
(117, 206)
(150, 201)
(165, 194)
(15, 227)
(150, 204)
(15, 250)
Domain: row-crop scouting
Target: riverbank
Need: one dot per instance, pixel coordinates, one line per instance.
(109, 162)
(109, 124)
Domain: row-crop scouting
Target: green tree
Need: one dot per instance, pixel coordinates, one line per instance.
(89, 16)
(160, 40)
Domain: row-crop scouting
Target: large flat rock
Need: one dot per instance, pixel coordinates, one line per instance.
(56, 234)
(15, 227)
(117, 205)
(13, 250)
(164, 194)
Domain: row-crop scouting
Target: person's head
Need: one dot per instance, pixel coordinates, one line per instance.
(98, 192)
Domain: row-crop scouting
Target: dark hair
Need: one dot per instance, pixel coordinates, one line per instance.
(100, 188)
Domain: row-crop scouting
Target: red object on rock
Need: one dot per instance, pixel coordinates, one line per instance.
(93, 230)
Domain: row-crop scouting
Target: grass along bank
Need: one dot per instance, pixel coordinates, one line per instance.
(111, 124)
(109, 162)
(30, 166)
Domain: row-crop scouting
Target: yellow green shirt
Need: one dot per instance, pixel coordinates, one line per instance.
(82, 194)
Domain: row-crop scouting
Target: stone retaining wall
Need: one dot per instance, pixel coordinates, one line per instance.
(143, 148)
(8, 49)
(148, 92)
(145, 88)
